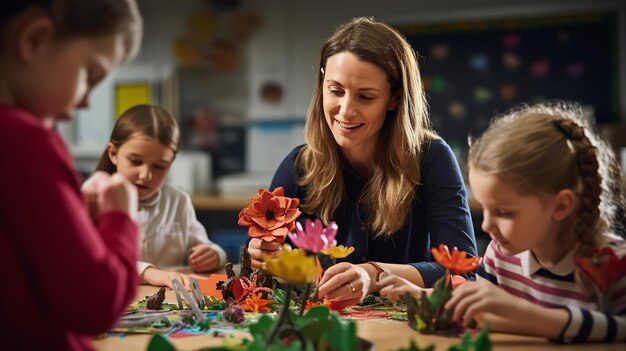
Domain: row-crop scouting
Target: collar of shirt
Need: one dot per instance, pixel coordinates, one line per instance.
(151, 201)
(530, 265)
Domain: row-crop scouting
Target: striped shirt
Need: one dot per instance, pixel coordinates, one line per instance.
(523, 276)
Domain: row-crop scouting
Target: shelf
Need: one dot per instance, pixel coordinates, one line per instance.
(215, 202)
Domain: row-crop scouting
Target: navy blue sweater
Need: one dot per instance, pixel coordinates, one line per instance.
(440, 214)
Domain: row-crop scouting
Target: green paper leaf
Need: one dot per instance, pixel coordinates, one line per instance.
(315, 329)
(262, 327)
(442, 292)
(413, 347)
(320, 312)
(159, 343)
(342, 335)
(482, 341)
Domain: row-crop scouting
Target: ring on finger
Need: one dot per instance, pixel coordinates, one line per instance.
(352, 288)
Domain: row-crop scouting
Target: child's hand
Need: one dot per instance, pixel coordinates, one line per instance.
(105, 193)
(394, 288)
(158, 277)
(482, 301)
(203, 258)
(259, 248)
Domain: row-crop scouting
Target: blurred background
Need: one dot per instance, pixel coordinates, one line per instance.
(239, 74)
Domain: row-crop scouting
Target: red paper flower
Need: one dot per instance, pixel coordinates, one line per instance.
(455, 261)
(270, 216)
(603, 267)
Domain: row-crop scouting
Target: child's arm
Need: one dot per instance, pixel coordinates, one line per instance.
(50, 213)
(488, 304)
(157, 277)
(203, 255)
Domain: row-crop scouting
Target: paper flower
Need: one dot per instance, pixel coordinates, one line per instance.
(428, 314)
(234, 314)
(603, 267)
(314, 237)
(338, 252)
(270, 215)
(293, 266)
(256, 303)
(455, 261)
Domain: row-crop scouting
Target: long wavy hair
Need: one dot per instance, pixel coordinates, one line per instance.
(142, 120)
(546, 148)
(389, 193)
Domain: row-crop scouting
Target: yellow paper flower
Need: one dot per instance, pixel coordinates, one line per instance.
(338, 252)
(293, 266)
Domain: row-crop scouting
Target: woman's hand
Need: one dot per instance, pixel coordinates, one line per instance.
(259, 248)
(394, 288)
(346, 283)
(203, 258)
(158, 277)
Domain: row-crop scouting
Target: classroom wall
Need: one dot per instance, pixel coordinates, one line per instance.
(308, 23)
(285, 49)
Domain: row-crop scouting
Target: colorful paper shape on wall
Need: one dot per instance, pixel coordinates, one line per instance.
(128, 95)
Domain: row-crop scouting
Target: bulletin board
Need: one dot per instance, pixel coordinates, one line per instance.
(474, 69)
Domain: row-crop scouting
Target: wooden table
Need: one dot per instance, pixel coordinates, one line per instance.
(385, 334)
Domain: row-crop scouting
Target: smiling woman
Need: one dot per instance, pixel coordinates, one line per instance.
(357, 96)
(373, 165)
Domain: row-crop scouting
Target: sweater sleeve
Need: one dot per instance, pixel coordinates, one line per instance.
(586, 325)
(444, 200)
(594, 326)
(63, 252)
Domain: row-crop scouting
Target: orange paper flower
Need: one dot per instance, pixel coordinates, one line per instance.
(270, 216)
(455, 261)
(254, 303)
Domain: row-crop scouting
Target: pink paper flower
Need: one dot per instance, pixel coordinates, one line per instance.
(314, 237)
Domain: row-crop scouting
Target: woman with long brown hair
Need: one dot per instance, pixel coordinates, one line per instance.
(372, 164)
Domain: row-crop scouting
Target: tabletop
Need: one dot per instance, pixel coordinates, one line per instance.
(385, 334)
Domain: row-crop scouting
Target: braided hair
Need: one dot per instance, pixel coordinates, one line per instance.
(589, 197)
(546, 148)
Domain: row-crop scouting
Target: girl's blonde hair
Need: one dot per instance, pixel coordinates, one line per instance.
(546, 148)
(142, 120)
(389, 193)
